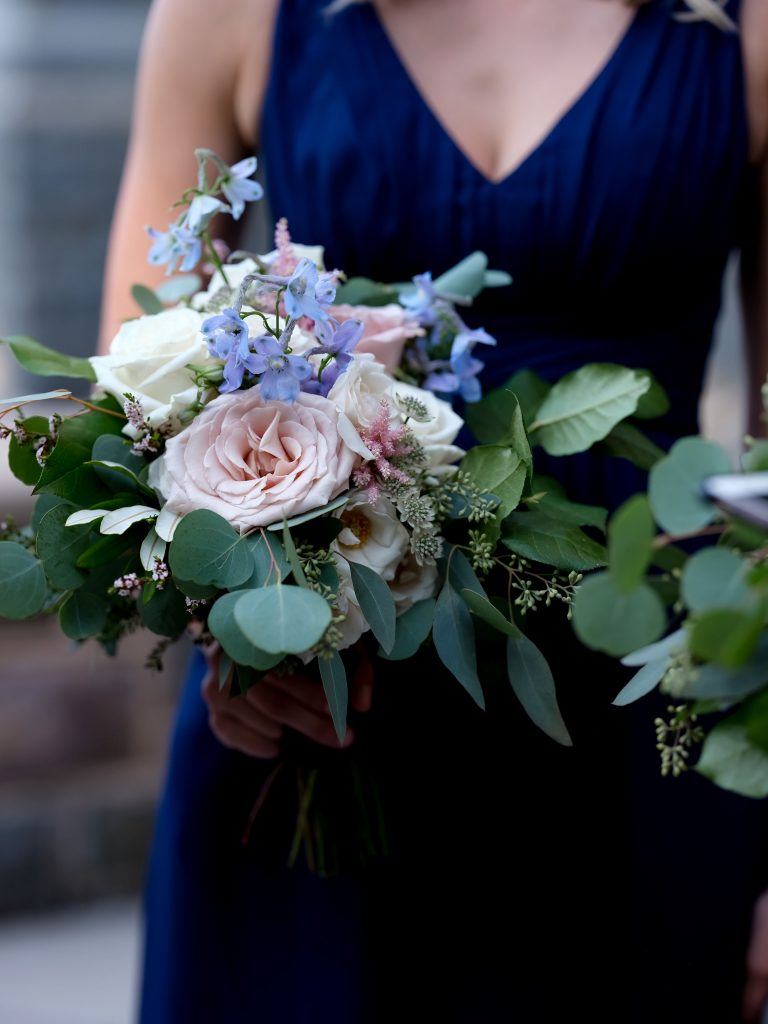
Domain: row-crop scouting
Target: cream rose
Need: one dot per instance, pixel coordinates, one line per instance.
(359, 391)
(412, 583)
(372, 536)
(385, 330)
(438, 432)
(255, 462)
(148, 358)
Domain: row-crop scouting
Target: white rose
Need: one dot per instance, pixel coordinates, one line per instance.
(359, 391)
(437, 434)
(148, 358)
(235, 274)
(354, 624)
(412, 583)
(372, 536)
(316, 253)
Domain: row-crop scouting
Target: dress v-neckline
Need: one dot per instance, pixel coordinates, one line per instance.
(614, 55)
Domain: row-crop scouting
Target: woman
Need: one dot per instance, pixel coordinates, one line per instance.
(609, 157)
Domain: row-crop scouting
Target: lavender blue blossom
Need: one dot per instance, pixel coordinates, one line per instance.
(281, 374)
(238, 189)
(422, 302)
(337, 340)
(458, 375)
(178, 243)
(201, 212)
(227, 337)
(307, 292)
(328, 378)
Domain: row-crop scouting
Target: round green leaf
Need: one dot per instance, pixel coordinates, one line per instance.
(725, 635)
(59, 547)
(630, 535)
(674, 486)
(166, 611)
(617, 623)
(732, 762)
(82, 615)
(282, 619)
(714, 578)
(205, 549)
(23, 589)
(584, 406)
(221, 622)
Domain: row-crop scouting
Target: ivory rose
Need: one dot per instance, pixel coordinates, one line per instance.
(359, 391)
(385, 330)
(412, 583)
(148, 358)
(373, 535)
(437, 433)
(255, 462)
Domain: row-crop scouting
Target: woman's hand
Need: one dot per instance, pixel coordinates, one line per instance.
(756, 988)
(254, 723)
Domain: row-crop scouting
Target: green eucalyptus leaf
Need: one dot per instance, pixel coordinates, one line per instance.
(726, 636)
(222, 624)
(466, 279)
(269, 562)
(23, 590)
(334, 677)
(197, 591)
(630, 535)
(625, 441)
(755, 458)
(732, 761)
(530, 390)
(114, 448)
(614, 622)
(293, 558)
(459, 573)
(376, 603)
(146, 300)
(411, 630)
(205, 549)
(166, 613)
(714, 682)
(306, 517)
(553, 503)
(584, 406)
(44, 504)
(484, 610)
(531, 679)
(177, 288)
(498, 419)
(543, 538)
(655, 401)
(714, 578)
(108, 549)
(642, 682)
(82, 615)
(46, 362)
(77, 435)
(59, 547)
(675, 485)
(362, 291)
(497, 469)
(7, 404)
(282, 619)
(454, 638)
(653, 652)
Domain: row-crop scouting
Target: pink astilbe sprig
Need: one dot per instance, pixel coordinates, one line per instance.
(389, 446)
(285, 261)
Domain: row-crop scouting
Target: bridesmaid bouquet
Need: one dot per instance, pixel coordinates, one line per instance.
(270, 462)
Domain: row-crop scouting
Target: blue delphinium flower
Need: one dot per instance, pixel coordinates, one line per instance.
(238, 189)
(339, 343)
(281, 374)
(201, 212)
(178, 243)
(421, 303)
(458, 375)
(227, 338)
(306, 290)
(329, 376)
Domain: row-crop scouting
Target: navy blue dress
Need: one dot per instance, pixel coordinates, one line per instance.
(527, 881)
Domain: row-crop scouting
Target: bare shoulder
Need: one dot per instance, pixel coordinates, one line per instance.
(211, 53)
(754, 34)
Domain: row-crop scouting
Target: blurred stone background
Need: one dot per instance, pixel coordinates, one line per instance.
(83, 737)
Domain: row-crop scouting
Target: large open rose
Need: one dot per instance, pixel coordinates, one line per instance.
(148, 358)
(255, 462)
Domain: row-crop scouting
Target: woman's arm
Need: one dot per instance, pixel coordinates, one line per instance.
(201, 80)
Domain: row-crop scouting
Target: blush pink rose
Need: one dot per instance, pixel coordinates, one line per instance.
(255, 462)
(386, 330)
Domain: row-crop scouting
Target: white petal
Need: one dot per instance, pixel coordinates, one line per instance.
(166, 523)
(152, 547)
(86, 515)
(123, 518)
(351, 438)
